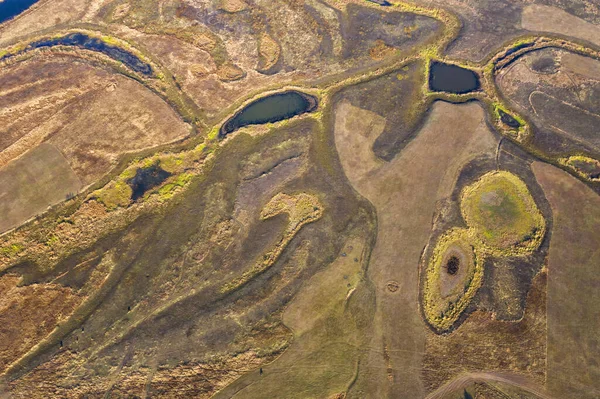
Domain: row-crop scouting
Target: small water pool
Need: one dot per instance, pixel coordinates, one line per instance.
(145, 179)
(12, 8)
(452, 78)
(508, 120)
(273, 108)
(384, 3)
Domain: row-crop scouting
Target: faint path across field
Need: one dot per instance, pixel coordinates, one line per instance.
(465, 380)
(404, 192)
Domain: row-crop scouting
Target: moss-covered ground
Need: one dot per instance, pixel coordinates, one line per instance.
(503, 213)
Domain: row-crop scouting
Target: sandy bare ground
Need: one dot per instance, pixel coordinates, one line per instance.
(404, 193)
(92, 116)
(37, 18)
(581, 65)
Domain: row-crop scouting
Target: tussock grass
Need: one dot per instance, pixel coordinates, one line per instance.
(578, 163)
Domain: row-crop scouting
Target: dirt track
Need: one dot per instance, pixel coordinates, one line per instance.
(465, 380)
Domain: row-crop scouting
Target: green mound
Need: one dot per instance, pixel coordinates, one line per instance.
(502, 212)
(453, 276)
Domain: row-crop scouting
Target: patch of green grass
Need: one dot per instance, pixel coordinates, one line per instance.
(169, 189)
(12, 250)
(111, 40)
(52, 240)
(171, 163)
(503, 220)
(116, 194)
(582, 165)
(500, 107)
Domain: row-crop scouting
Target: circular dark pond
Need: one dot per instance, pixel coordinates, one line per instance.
(273, 108)
(452, 78)
(452, 265)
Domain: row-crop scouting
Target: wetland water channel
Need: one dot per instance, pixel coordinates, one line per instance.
(83, 41)
(91, 43)
(452, 78)
(12, 8)
(273, 108)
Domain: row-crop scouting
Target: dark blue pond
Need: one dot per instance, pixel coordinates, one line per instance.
(381, 2)
(452, 78)
(273, 108)
(12, 8)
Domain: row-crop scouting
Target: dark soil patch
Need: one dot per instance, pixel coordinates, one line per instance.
(545, 65)
(363, 26)
(392, 96)
(577, 122)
